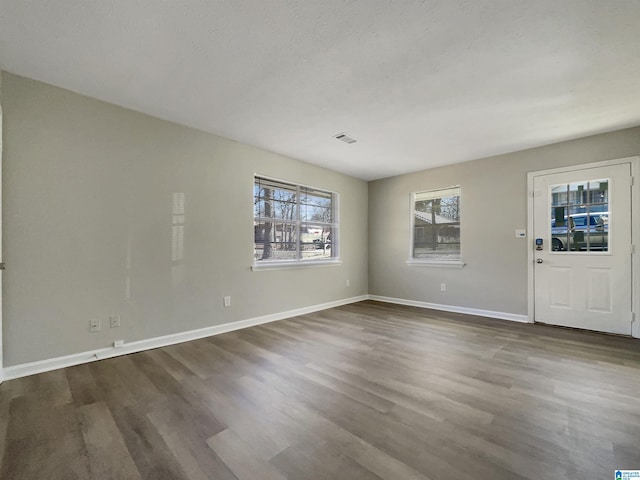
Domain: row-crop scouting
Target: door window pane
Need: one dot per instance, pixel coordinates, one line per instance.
(580, 216)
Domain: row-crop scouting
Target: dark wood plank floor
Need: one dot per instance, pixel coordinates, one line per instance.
(363, 391)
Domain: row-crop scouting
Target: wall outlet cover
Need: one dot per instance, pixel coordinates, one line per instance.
(114, 321)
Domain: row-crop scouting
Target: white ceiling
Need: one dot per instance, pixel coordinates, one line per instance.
(418, 83)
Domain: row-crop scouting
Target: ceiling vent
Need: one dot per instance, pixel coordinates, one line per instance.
(345, 138)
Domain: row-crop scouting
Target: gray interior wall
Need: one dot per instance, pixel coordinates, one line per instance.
(494, 204)
(88, 195)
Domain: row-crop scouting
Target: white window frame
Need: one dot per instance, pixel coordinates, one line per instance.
(432, 262)
(299, 261)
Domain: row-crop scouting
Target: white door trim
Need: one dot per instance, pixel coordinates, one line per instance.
(1, 257)
(635, 232)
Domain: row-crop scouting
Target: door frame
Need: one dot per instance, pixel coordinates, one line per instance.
(1, 256)
(635, 232)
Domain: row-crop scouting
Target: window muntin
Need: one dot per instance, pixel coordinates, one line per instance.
(293, 223)
(435, 232)
(579, 216)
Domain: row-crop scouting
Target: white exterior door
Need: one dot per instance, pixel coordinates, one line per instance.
(583, 248)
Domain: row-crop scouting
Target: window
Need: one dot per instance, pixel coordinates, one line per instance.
(435, 227)
(293, 223)
(580, 216)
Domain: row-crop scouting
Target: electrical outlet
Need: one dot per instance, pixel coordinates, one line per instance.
(443, 287)
(118, 343)
(114, 321)
(348, 283)
(94, 325)
(227, 301)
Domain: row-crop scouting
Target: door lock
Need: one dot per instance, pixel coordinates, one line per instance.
(538, 260)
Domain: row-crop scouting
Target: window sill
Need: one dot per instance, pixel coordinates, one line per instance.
(436, 263)
(287, 265)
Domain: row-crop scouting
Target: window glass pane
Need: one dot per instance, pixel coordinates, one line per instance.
(258, 207)
(598, 192)
(430, 195)
(275, 241)
(315, 206)
(559, 230)
(312, 213)
(578, 193)
(258, 201)
(274, 199)
(283, 206)
(559, 195)
(597, 234)
(292, 222)
(579, 216)
(315, 197)
(436, 225)
(315, 241)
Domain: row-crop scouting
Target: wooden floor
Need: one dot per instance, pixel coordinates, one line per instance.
(363, 391)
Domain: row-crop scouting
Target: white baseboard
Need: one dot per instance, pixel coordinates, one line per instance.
(25, 369)
(514, 317)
